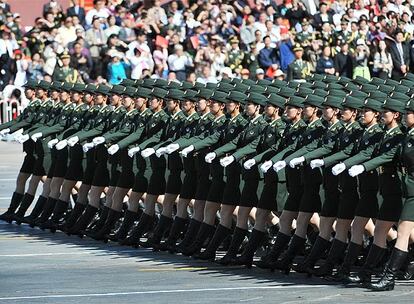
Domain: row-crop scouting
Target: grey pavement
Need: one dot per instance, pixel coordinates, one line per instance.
(39, 267)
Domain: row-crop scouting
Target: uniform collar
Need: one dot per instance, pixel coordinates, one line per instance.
(313, 122)
(217, 118)
(369, 128)
(234, 118)
(411, 132)
(274, 122)
(189, 117)
(204, 115)
(348, 126)
(333, 125)
(175, 114)
(255, 119)
(388, 132)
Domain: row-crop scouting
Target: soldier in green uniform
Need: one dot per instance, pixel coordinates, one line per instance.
(235, 151)
(385, 159)
(65, 73)
(399, 253)
(27, 117)
(299, 69)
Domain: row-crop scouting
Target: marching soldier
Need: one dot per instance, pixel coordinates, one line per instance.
(299, 69)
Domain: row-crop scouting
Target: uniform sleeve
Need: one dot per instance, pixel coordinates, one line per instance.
(151, 141)
(247, 149)
(207, 141)
(382, 159)
(131, 139)
(230, 146)
(360, 157)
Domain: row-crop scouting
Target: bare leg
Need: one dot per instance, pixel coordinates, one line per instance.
(243, 217)
(380, 234)
(182, 207)
(21, 182)
(342, 229)
(67, 187)
(325, 227)
(262, 216)
(357, 229)
(286, 219)
(198, 208)
(133, 202)
(149, 203)
(118, 198)
(168, 204)
(302, 223)
(405, 229)
(46, 187)
(210, 212)
(95, 196)
(33, 184)
(55, 186)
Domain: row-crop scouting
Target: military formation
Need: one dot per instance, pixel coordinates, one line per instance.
(316, 176)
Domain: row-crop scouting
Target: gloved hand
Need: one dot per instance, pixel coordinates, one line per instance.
(86, 147)
(161, 151)
(133, 151)
(113, 149)
(73, 141)
(61, 144)
(210, 157)
(316, 163)
(172, 148)
(23, 138)
(296, 161)
(266, 166)
(52, 143)
(187, 150)
(98, 140)
(36, 136)
(356, 170)
(147, 152)
(279, 165)
(338, 169)
(4, 132)
(248, 164)
(224, 162)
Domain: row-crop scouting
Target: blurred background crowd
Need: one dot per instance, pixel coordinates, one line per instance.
(206, 40)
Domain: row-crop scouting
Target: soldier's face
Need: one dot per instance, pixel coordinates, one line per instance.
(139, 102)
(231, 106)
(388, 117)
(115, 99)
(29, 93)
(66, 61)
(40, 93)
(87, 98)
(270, 110)
(155, 103)
(55, 95)
(308, 112)
(187, 106)
(328, 113)
(299, 54)
(251, 109)
(215, 107)
(76, 96)
(99, 99)
(346, 114)
(201, 105)
(171, 105)
(367, 116)
(292, 112)
(127, 101)
(64, 96)
(409, 119)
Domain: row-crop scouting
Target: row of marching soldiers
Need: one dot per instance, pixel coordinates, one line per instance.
(324, 166)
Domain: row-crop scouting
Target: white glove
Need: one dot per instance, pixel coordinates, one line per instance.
(210, 157)
(133, 151)
(338, 169)
(224, 162)
(61, 144)
(316, 163)
(52, 143)
(161, 151)
(73, 141)
(23, 138)
(266, 166)
(279, 165)
(4, 132)
(147, 152)
(36, 136)
(248, 164)
(98, 140)
(296, 161)
(86, 147)
(187, 150)
(356, 170)
(172, 148)
(113, 149)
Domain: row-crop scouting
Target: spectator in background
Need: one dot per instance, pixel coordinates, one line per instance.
(324, 16)
(66, 33)
(343, 61)
(400, 54)
(112, 27)
(382, 61)
(361, 56)
(117, 68)
(81, 62)
(325, 64)
(35, 70)
(179, 62)
(20, 66)
(99, 10)
(76, 10)
(268, 56)
(96, 39)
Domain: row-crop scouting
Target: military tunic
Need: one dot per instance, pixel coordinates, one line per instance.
(407, 159)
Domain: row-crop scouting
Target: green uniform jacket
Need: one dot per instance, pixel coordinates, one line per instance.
(27, 116)
(407, 159)
(125, 127)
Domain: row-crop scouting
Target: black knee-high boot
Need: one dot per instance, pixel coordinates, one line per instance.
(237, 239)
(219, 236)
(127, 223)
(351, 256)
(203, 234)
(95, 227)
(295, 247)
(256, 239)
(37, 210)
(14, 204)
(189, 237)
(164, 224)
(47, 212)
(58, 212)
(82, 223)
(394, 264)
(177, 228)
(267, 261)
(25, 204)
(145, 223)
(318, 249)
(111, 219)
(364, 275)
(73, 216)
(336, 253)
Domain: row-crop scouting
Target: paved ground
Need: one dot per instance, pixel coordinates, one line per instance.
(40, 267)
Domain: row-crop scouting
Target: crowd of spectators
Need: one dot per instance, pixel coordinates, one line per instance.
(206, 40)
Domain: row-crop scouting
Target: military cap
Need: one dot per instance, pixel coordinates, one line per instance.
(117, 89)
(143, 92)
(394, 105)
(56, 86)
(248, 82)
(330, 79)
(211, 85)
(241, 87)
(263, 82)
(303, 92)
(286, 92)
(293, 84)
(391, 82)
(411, 92)
(317, 77)
(337, 93)
(44, 85)
(295, 101)
(385, 89)
(314, 101)
(30, 84)
(377, 81)
(305, 85)
(319, 85)
(148, 83)
(353, 103)
(228, 80)
(276, 100)
(130, 91)
(185, 85)
(407, 82)
(256, 98)
(334, 86)
(256, 89)
(344, 80)
(358, 94)
(190, 95)
(173, 84)
(138, 83)
(90, 88)
(234, 80)
(270, 89)
(78, 87)
(320, 93)
(367, 88)
(158, 92)
(399, 96)
(64, 55)
(377, 95)
(67, 87)
(175, 94)
(409, 106)
(199, 85)
(333, 101)
(161, 83)
(219, 96)
(103, 90)
(403, 89)
(235, 96)
(279, 83)
(360, 80)
(297, 47)
(127, 82)
(409, 76)
(350, 86)
(204, 94)
(225, 87)
(373, 104)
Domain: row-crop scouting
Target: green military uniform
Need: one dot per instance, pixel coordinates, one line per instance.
(65, 74)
